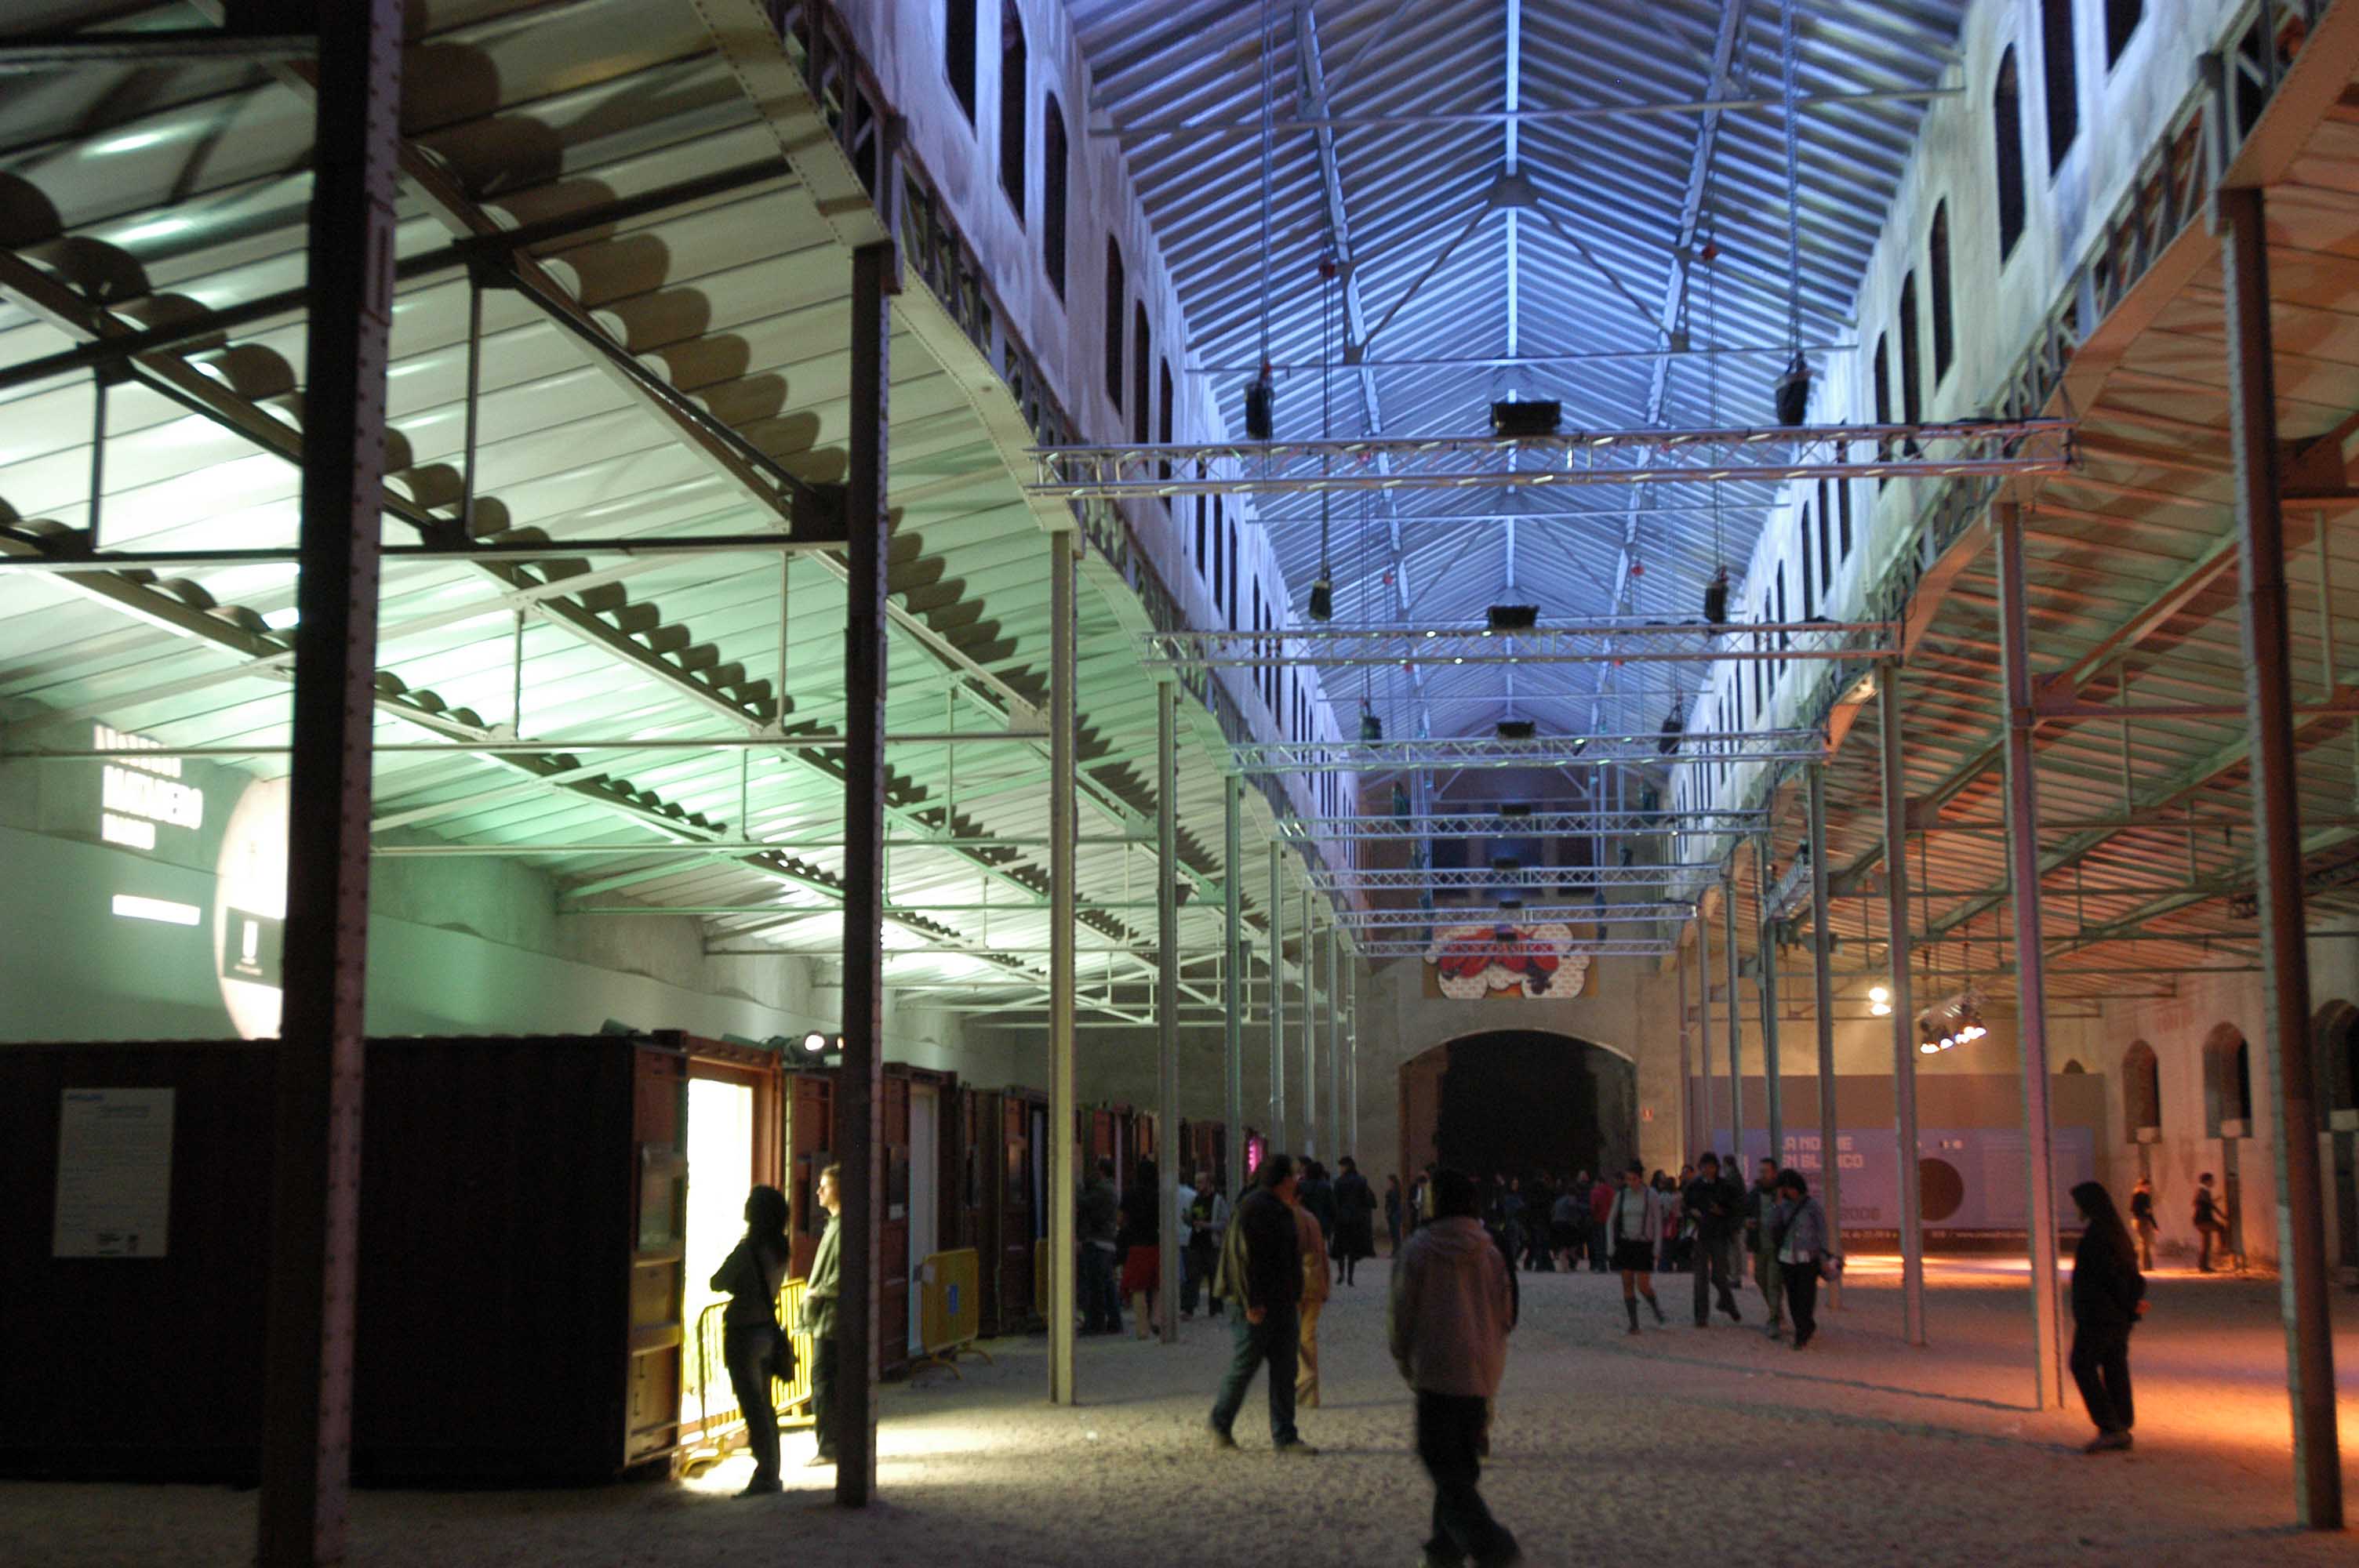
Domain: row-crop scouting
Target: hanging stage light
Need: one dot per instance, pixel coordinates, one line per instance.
(1512, 617)
(1511, 419)
(1794, 393)
(1715, 599)
(1261, 404)
(1516, 728)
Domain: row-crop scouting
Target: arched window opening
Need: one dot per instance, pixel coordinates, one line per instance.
(1054, 156)
(2141, 1094)
(1142, 377)
(2227, 1084)
(1826, 527)
(958, 52)
(2063, 79)
(1881, 375)
(1116, 288)
(2122, 17)
(1013, 56)
(1936, 246)
(1912, 392)
(1809, 583)
(1200, 543)
(2006, 144)
(2073, 1064)
(1842, 505)
(1163, 419)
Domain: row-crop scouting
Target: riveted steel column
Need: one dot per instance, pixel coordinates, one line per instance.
(1701, 1139)
(1309, 1030)
(2277, 826)
(1735, 1014)
(316, 1130)
(1278, 1137)
(1767, 946)
(1335, 1117)
(1904, 1007)
(2030, 967)
(1823, 996)
(1166, 998)
(859, 1098)
(1063, 828)
(1232, 980)
(1685, 1102)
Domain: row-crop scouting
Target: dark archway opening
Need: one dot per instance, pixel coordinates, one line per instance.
(1521, 1103)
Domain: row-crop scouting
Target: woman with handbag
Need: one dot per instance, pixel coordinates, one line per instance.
(1801, 1237)
(753, 1346)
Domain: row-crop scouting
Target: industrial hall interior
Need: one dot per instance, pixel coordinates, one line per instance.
(1297, 783)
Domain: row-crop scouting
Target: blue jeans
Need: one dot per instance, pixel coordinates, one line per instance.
(1101, 1301)
(1275, 1339)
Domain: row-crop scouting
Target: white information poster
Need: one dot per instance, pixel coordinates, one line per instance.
(114, 1172)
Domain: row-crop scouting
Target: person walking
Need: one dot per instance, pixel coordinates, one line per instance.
(1097, 1222)
(1317, 1195)
(1449, 1317)
(1712, 1208)
(1634, 1219)
(1315, 1291)
(2108, 1298)
(820, 1293)
(1568, 1224)
(1393, 1212)
(2142, 1220)
(753, 1346)
(1356, 1221)
(1261, 1272)
(2208, 1223)
(1802, 1231)
(1760, 1241)
(1139, 1244)
(1602, 1198)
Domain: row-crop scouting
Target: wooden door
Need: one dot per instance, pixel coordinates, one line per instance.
(659, 1219)
(1017, 1307)
(980, 1162)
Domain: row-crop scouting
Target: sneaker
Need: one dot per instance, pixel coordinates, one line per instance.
(2107, 1443)
(761, 1486)
(1297, 1449)
(819, 1462)
(1733, 1315)
(1634, 1328)
(1219, 1438)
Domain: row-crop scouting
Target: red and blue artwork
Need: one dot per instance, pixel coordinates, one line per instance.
(1471, 962)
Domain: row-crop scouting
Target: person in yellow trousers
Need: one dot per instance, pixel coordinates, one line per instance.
(1315, 1285)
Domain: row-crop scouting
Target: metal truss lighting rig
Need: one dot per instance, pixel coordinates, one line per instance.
(1481, 879)
(1618, 642)
(1516, 823)
(1534, 751)
(1364, 919)
(1767, 454)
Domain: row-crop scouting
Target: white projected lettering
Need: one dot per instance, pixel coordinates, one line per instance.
(137, 793)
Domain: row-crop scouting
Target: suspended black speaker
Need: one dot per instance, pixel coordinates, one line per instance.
(1794, 393)
(1715, 599)
(1261, 406)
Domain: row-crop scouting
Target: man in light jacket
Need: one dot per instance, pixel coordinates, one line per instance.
(819, 1314)
(1450, 1316)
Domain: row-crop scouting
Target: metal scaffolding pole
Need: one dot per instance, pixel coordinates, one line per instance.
(1685, 1103)
(1309, 1030)
(1352, 1029)
(1277, 1139)
(2276, 826)
(1735, 1015)
(1166, 998)
(1335, 1117)
(316, 1127)
(1701, 1138)
(2030, 975)
(1766, 971)
(859, 1083)
(1232, 1065)
(1904, 1010)
(1823, 998)
(1062, 827)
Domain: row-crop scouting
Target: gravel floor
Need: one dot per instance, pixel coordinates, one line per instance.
(1674, 1446)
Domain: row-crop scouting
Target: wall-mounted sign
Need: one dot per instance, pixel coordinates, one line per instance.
(114, 1172)
(1469, 963)
(138, 794)
(250, 908)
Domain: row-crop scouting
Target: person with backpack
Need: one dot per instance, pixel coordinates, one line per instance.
(753, 1346)
(1801, 1232)
(2108, 1298)
(1634, 1219)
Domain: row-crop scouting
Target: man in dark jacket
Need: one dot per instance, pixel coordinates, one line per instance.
(1261, 1270)
(819, 1315)
(1097, 1218)
(1715, 1208)
(1354, 1235)
(1761, 1216)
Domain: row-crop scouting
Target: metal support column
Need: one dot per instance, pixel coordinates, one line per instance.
(1233, 981)
(1683, 1104)
(1701, 1138)
(1765, 945)
(859, 1082)
(2030, 972)
(1309, 1030)
(1822, 989)
(316, 1130)
(1735, 1015)
(1335, 1117)
(1167, 996)
(1904, 1008)
(1277, 1133)
(1063, 828)
(2276, 827)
